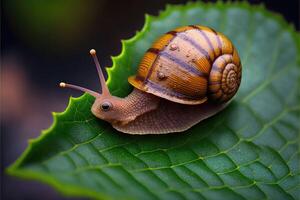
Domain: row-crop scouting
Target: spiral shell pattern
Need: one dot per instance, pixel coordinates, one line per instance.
(190, 65)
(224, 78)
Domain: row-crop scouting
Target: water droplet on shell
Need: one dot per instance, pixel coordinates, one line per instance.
(161, 75)
(173, 47)
(188, 54)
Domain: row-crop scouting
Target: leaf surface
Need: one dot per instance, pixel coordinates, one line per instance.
(248, 151)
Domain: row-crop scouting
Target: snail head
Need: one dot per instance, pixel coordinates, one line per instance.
(106, 106)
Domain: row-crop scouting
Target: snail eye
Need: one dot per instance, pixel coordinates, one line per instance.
(106, 106)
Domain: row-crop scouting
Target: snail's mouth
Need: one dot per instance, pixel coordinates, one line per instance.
(98, 114)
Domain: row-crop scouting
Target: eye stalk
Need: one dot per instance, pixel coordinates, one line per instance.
(106, 106)
(105, 91)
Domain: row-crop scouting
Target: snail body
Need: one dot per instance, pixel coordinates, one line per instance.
(188, 74)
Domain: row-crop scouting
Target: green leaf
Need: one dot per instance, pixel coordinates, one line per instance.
(248, 151)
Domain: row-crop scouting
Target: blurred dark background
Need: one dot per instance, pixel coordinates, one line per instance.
(44, 42)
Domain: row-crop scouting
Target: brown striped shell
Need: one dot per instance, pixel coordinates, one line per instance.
(190, 65)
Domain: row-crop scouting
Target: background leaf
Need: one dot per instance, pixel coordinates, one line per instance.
(248, 151)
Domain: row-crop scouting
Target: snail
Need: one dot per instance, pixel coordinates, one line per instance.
(188, 75)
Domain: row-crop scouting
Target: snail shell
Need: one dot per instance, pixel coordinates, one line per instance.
(190, 65)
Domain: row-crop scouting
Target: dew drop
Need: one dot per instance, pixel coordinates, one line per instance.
(173, 47)
(161, 75)
(188, 54)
